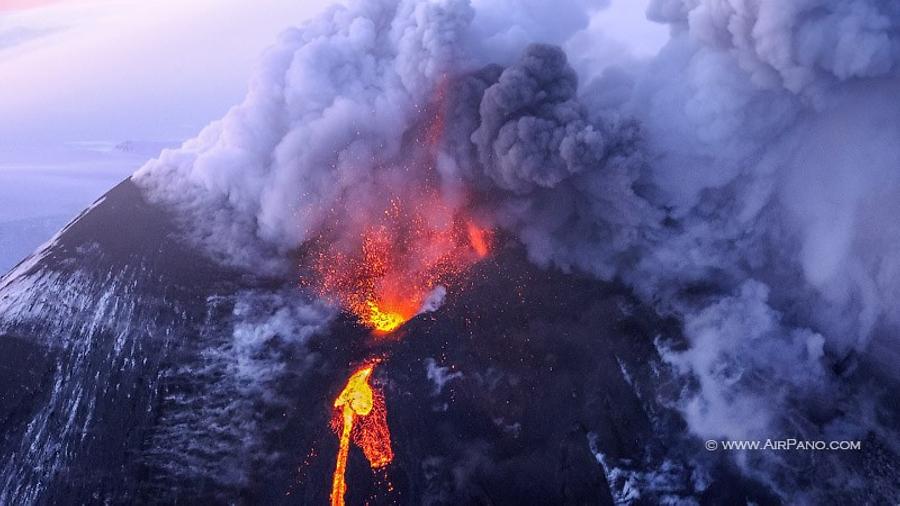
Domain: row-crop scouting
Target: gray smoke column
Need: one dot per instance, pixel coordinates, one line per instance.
(324, 115)
(322, 112)
(744, 181)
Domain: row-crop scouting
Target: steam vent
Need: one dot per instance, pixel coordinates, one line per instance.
(454, 252)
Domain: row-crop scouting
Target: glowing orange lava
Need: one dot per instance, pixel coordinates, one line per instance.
(478, 237)
(380, 256)
(384, 321)
(402, 257)
(385, 252)
(373, 436)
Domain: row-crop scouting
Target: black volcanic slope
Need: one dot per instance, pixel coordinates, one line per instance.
(132, 370)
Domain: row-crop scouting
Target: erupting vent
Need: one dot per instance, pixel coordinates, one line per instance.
(412, 248)
(382, 264)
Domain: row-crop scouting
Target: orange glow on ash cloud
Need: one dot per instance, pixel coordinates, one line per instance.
(382, 258)
(479, 239)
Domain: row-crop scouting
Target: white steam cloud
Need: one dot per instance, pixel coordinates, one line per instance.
(745, 179)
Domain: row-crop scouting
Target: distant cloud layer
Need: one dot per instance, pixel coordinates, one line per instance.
(16, 35)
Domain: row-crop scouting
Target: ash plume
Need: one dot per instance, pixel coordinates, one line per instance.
(562, 182)
(744, 181)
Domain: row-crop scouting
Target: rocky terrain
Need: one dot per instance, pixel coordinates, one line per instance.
(134, 370)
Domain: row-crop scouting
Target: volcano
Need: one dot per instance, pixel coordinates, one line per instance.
(134, 370)
(476, 252)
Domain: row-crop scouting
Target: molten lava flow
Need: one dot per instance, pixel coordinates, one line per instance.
(380, 256)
(400, 258)
(373, 436)
(384, 321)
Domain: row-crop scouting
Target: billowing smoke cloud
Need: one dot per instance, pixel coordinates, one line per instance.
(798, 45)
(771, 127)
(563, 182)
(744, 180)
(324, 117)
(322, 113)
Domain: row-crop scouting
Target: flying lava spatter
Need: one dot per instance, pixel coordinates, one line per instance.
(382, 266)
(384, 288)
(386, 282)
(390, 254)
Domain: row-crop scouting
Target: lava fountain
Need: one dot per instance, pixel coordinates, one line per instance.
(414, 246)
(380, 260)
(402, 259)
(381, 257)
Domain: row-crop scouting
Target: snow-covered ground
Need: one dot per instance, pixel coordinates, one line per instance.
(43, 187)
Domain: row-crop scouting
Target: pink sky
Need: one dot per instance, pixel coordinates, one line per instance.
(162, 69)
(13, 5)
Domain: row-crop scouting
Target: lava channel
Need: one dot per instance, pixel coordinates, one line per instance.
(371, 434)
